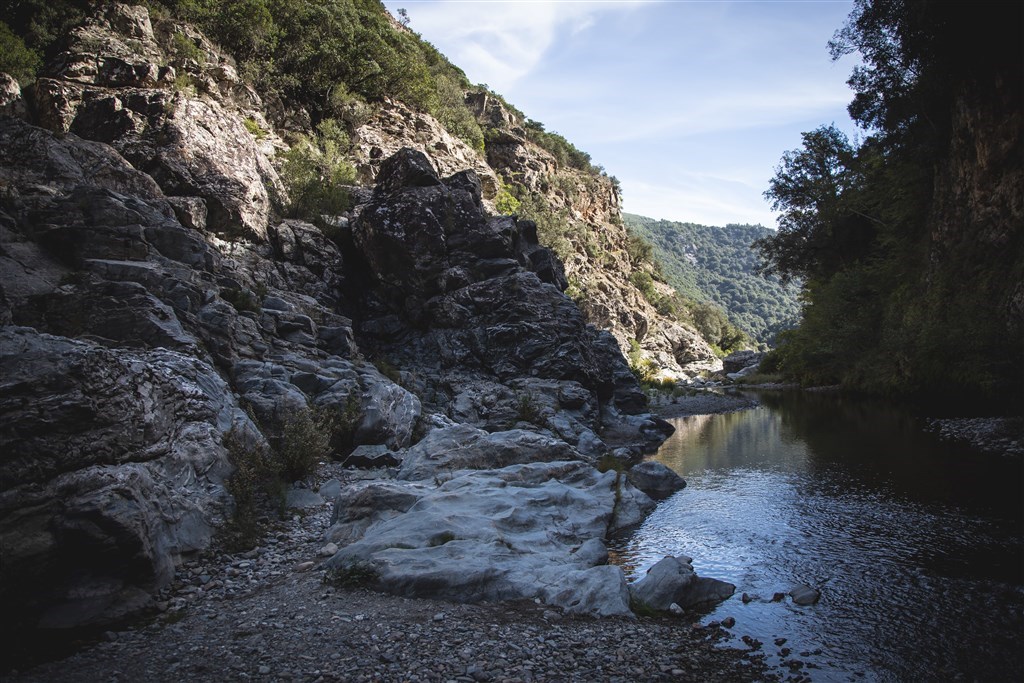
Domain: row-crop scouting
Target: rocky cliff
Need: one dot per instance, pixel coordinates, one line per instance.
(152, 299)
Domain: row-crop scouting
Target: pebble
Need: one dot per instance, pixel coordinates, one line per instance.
(728, 622)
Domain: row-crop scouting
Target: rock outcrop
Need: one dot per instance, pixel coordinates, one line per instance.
(152, 300)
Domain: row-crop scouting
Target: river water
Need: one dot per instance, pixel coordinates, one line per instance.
(916, 546)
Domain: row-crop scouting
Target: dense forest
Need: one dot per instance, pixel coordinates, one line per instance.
(911, 244)
(716, 264)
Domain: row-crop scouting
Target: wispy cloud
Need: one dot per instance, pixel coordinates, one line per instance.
(500, 42)
(698, 198)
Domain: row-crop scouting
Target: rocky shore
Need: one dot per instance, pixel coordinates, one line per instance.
(995, 435)
(274, 614)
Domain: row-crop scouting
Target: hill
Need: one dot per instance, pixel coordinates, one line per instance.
(709, 263)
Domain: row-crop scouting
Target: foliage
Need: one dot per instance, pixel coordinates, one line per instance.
(185, 48)
(886, 307)
(41, 27)
(255, 470)
(716, 266)
(305, 441)
(16, 58)
(315, 172)
(527, 409)
(505, 202)
(552, 224)
(254, 128)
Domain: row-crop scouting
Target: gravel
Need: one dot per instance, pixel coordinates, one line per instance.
(269, 614)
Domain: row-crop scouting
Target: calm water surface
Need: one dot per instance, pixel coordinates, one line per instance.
(916, 546)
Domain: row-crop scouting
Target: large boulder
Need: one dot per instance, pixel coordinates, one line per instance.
(524, 531)
(112, 469)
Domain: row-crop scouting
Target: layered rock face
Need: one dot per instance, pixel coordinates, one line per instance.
(151, 300)
(598, 265)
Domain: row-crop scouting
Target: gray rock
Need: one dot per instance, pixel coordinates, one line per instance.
(523, 531)
(672, 580)
(330, 490)
(125, 463)
(444, 451)
(389, 414)
(804, 595)
(11, 101)
(302, 498)
(371, 456)
(655, 479)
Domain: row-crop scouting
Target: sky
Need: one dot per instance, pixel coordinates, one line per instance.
(689, 103)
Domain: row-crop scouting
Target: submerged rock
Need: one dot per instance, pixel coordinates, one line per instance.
(804, 595)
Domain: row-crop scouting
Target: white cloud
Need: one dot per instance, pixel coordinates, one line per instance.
(500, 42)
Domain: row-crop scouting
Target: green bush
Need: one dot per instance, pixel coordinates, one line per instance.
(314, 172)
(255, 473)
(305, 441)
(16, 58)
(505, 202)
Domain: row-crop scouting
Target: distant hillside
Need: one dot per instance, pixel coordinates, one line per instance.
(710, 263)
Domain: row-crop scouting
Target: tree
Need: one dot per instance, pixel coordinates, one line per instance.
(821, 228)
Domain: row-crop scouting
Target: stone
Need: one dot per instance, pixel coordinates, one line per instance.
(655, 479)
(330, 490)
(804, 595)
(445, 451)
(672, 580)
(328, 550)
(488, 535)
(297, 499)
(390, 413)
(371, 456)
(11, 101)
(728, 622)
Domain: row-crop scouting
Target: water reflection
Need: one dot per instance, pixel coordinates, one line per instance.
(915, 545)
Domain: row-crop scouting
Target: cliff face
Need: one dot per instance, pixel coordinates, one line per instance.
(597, 261)
(152, 299)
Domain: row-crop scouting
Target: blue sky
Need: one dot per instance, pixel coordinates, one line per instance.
(691, 104)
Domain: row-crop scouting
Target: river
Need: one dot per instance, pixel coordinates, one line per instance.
(915, 545)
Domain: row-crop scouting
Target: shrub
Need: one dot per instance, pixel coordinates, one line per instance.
(305, 441)
(315, 170)
(184, 48)
(255, 472)
(506, 203)
(527, 409)
(16, 58)
(254, 128)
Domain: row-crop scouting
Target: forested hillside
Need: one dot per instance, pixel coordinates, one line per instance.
(911, 245)
(709, 263)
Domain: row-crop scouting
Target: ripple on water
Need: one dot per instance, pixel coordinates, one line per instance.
(919, 578)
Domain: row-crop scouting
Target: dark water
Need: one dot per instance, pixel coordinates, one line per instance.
(916, 546)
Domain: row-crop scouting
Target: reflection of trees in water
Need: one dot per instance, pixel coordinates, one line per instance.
(731, 440)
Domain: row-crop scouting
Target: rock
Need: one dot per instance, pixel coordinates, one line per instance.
(330, 490)
(361, 505)
(371, 456)
(655, 479)
(302, 498)
(11, 101)
(741, 360)
(445, 451)
(132, 500)
(728, 622)
(497, 535)
(389, 415)
(328, 550)
(672, 580)
(675, 609)
(804, 595)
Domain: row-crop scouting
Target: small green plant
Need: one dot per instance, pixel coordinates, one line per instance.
(254, 128)
(305, 441)
(352, 575)
(255, 472)
(16, 58)
(184, 83)
(388, 370)
(608, 463)
(185, 48)
(241, 299)
(527, 409)
(505, 202)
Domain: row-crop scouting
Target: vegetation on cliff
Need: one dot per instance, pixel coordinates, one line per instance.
(911, 244)
(716, 265)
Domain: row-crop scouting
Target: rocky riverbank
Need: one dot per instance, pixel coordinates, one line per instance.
(667, 406)
(273, 614)
(995, 435)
